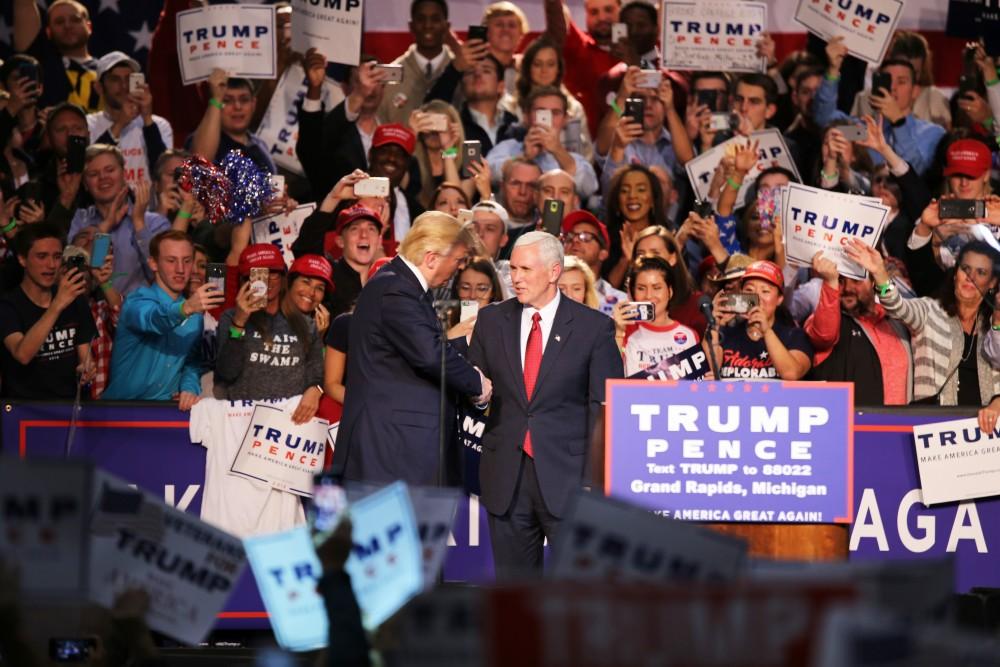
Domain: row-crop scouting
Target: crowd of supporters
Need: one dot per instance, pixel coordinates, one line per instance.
(104, 256)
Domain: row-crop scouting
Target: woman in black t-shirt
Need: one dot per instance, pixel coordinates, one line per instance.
(765, 344)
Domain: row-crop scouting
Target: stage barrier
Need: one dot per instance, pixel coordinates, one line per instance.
(148, 444)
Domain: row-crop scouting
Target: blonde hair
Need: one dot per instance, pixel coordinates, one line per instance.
(435, 232)
(505, 8)
(426, 194)
(573, 263)
(96, 150)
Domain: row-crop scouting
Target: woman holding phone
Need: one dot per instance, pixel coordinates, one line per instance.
(271, 345)
(648, 337)
(765, 343)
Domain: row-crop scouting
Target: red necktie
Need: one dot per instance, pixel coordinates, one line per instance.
(532, 360)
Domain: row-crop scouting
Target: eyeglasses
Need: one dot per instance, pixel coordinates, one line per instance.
(584, 237)
(481, 290)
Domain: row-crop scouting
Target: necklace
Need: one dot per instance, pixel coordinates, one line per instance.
(975, 332)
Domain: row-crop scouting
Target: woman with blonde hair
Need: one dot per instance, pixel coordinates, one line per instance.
(438, 153)
(577, 282)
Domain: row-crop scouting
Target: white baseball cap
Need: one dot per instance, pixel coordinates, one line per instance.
(111, 60)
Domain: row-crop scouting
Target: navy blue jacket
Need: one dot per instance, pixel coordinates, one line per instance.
(389, 429)
(579, 356)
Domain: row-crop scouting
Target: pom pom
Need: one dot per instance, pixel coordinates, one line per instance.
(251, 187)
(208, 184)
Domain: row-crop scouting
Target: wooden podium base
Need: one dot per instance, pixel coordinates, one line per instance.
(783, 541)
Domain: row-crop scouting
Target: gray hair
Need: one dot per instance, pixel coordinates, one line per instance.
(550, 249)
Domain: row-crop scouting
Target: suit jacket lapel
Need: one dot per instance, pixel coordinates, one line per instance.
(511, 334)
(558, 340)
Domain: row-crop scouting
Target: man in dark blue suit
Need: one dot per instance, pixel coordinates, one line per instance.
(548, 357)
(389, 429)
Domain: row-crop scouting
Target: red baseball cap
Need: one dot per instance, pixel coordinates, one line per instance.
(351, 215)
(313, 266)
(581, 216)
(376, 265)
(261, 256)
(765, 270)
(394, 133)
(967, 157)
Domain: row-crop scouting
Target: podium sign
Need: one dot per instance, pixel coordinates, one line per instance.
(764, 452)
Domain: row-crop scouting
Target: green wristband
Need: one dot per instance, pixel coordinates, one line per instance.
(827, 176)
(617, 109)
(733, 184)
(185, 215)
(884, 289)
(10, 227)
(216, 103)
(995, 327)
(180, 308)
(831, 78)
(236, 333)
(106, 286)
(449, 153)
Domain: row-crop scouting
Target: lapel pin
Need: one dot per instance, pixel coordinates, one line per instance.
(558, 338)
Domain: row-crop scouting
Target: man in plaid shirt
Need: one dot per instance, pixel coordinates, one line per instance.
(105, 305)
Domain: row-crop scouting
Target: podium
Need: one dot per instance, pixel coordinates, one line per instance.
(719, 453)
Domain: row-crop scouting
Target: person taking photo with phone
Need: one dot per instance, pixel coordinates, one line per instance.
(271, 345)
(644, 330)
(764, 344)
(45, 323)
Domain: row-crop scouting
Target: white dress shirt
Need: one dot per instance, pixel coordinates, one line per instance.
(548, 312)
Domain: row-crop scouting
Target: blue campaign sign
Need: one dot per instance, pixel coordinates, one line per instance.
(386, 564)
(732, 451)
(287, 569)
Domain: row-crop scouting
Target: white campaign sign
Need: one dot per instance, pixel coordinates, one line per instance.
(713, 35)
(280, 453)
(957, 461)
(188, 567)
(434, 509)
(773, 152)
(815, 220)
(239, 39)
(43, 527)
(333, 27)
(287, 570)
(282, 229)
(602, 537)
(279, 128)
(866, 25)
(385, 563)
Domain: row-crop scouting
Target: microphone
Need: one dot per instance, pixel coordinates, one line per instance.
(705, 305)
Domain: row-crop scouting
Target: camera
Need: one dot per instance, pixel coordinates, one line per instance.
(740, 303)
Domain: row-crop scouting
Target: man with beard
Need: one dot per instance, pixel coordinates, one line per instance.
(45, 323)
(226, 123)
(155, 356)
(590, 52)
(127, 120)
(120, 213)
(69, 71)
(856, 342)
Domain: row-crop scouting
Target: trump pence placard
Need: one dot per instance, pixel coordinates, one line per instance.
(815, 220)
(772, 152)
(236, 38)
(957, 461)
(865, 25)
(332, 27)
(774, 452)
(280, 453)
(713, 35)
